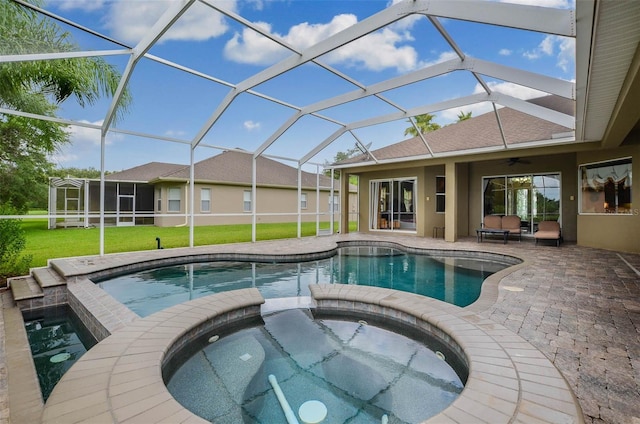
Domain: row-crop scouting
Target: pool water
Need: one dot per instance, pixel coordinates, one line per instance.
(455, 280)
(359, 371)
(57, 340)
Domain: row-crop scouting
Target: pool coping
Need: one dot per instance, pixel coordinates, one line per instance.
(77, 271)
(120, 379)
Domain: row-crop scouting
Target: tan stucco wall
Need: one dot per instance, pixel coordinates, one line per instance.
(614, 232)
(228, 199)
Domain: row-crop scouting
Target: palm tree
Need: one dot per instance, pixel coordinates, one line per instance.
(39, 87)
(463, 116)
(423, 122)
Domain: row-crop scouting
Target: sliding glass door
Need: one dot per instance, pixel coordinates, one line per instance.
(533, 198)
(393, 204)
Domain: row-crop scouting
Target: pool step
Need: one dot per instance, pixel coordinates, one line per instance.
(24, 288)
(47, 277)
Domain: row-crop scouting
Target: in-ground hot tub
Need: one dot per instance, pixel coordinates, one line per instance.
(354, 370)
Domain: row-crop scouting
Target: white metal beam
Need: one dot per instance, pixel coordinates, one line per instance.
(532, 18)
(61, 55)
(354, 32)
(159, 28)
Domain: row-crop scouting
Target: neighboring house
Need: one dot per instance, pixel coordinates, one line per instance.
(158, 194)
(451, 179)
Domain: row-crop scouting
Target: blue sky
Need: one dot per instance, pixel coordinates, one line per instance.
(170, 103)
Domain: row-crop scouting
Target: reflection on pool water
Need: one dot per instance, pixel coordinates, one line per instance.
(457, 280)
(57, 340)
(359, 371)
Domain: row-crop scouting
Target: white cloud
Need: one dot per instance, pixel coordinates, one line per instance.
(548, 46)
(567, 53)
(251, 126)
(376, 51)
(131, 20)
(175, 133)
(79, 135)
(509, 88)
(514, 90)
(250, 47)
(442, 57)
(505, 52)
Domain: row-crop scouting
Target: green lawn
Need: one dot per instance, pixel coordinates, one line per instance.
(45, 244)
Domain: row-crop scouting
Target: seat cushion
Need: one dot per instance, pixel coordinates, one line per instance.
(493, 222)
(511, 223)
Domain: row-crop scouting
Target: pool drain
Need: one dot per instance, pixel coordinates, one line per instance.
(312, 412)
(60, 357)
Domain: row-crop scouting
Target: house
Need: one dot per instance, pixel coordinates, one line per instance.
(158, 194)
(455, 176)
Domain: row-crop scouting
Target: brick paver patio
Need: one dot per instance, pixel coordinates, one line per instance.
(579, 306)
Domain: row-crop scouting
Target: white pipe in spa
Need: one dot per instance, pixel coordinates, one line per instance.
(288, 412)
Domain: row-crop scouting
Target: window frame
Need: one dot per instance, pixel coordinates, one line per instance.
(172, 201)
(304, 203)
(246, 204)
(207, 200)
(587, 183)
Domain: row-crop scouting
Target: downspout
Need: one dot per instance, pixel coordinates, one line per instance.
(186, 215)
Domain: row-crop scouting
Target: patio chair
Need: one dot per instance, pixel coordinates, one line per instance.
(512, 223)
(548, 230)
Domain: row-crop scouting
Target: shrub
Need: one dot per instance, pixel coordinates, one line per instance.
(12, 243)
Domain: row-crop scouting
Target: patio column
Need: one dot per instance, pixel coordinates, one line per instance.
(451, 202)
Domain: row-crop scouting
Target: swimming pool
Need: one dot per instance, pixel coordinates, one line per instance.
(57, 339)
(457, 280)
(360, 372)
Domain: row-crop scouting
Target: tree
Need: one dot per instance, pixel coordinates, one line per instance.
(339, 157)
(423, 122)
(38, 87)
(463, 116)
(12, 243)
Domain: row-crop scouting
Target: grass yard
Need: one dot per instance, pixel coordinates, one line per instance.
(45, 244)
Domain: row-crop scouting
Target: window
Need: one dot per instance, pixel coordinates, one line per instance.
(440, 192)
(247, 201)
(303, 200)
(606, 187)
(159, 200)
(173, 195)
(205, 200)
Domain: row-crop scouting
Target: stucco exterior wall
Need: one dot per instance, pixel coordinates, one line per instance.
(229, 199)
(609, 231)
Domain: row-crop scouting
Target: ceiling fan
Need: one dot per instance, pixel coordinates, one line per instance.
(513, 161)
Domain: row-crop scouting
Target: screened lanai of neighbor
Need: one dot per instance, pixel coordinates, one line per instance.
(546, 141)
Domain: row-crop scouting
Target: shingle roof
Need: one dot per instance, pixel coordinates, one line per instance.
(480, 131)
(228, 167)
(146, 172)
